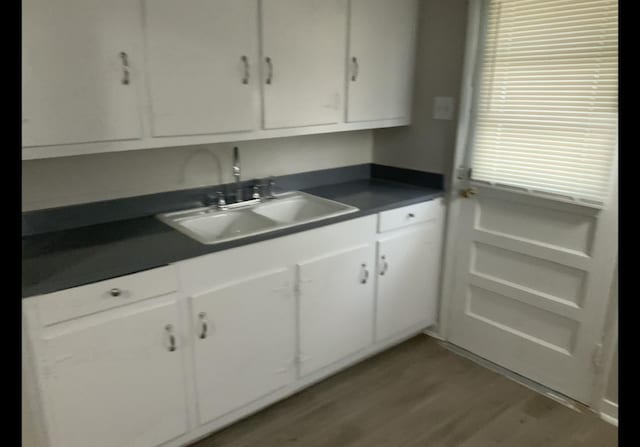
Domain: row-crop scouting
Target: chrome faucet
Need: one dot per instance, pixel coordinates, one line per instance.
(236, 173)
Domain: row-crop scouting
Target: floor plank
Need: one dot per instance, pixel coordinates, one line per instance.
(417, 394)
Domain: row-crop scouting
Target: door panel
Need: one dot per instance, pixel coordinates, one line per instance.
(558, 281)
(382, 37)
(548, 226)
(530, 284)
(199, 81)
(73, 78)
(305, 41)
(335, 306)
(113, 380)
(408, 279)
(248, 347)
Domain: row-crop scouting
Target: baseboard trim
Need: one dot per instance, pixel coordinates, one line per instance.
(534, 386)
(609, 412)
(433, 334)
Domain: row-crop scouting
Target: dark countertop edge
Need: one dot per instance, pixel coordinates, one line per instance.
(417, 191)
(215, 248)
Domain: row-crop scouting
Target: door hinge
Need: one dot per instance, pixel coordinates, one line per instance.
(464, 173)
(597, 357)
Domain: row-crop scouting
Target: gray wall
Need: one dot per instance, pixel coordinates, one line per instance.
(69, 180)
(428, 144)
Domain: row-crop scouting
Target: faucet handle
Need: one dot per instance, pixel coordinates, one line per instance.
(270, 183)
(221, 200)
(256, 191)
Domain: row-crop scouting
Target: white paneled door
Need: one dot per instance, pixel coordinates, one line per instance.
(303, 51)
(530, 285)
(203, 66)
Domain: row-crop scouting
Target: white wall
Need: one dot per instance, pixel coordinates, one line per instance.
(70, 180)
(612, 385)
(428, 144)
(610, 392)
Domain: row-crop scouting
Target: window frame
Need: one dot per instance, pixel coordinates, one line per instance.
(472, 77)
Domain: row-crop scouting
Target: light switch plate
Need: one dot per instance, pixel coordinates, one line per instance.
(443, 108)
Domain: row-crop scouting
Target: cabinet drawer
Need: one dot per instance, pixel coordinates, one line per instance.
(408, 215)
(103, 295)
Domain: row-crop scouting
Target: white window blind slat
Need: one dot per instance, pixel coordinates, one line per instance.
(546, 111)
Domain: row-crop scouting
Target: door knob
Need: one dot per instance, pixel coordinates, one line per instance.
(468, 192)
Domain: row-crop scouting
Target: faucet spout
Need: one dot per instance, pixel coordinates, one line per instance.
(236, 173)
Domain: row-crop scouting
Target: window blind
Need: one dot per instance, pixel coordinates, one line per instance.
(546, 111)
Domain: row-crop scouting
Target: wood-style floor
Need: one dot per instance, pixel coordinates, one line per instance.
(417, 394)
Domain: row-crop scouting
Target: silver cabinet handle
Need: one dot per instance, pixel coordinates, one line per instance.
(385, 265)
(172, 337)
(356, 68)
(204, 325)
(115, 292)
(269, 70)
(366, 274)
(125, 68)
(245, 61)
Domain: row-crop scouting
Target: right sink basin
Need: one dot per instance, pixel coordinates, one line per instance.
(297, 207)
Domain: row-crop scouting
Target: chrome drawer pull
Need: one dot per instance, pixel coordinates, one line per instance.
(385, 265)
(172, 337)
(115, 292)
(366, 274)
(125, 68)
(356, 68)
(205, 326)
(270, 70)
(245, 61)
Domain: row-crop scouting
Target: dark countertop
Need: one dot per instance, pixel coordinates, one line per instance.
(69, 258)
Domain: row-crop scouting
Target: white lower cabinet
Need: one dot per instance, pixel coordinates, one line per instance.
(408, 279)
(116, 378)
(244, 341)
(211, 339)
(335, 306)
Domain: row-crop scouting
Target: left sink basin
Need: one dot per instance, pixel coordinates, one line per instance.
(209, 226)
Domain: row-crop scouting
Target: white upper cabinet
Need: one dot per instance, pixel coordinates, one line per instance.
(80, 71)
(303, 51)
(203, 66)
(244, 341)
(382, 36)
(117, 75)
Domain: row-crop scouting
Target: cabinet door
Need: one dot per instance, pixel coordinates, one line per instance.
(382, 36)
(203, 65)
(303, 49)
(76, 86)
(335, 306)
(244, 341)
(114, 379)
(408, 279)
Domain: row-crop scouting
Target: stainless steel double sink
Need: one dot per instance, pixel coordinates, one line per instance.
(211, 225)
